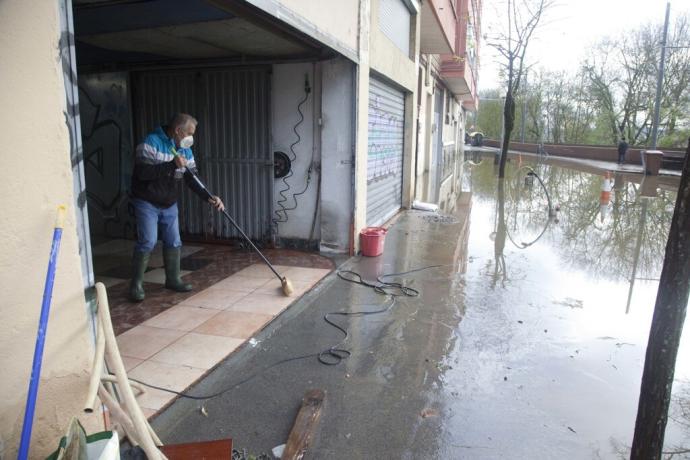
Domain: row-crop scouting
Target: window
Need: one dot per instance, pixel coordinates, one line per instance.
(394, 21)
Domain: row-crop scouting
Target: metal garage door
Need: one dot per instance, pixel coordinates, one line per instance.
(385, 159)
(231, 145)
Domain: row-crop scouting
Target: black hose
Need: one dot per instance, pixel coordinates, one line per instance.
(334, 354)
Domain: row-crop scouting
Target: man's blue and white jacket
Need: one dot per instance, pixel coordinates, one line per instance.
(155, 174)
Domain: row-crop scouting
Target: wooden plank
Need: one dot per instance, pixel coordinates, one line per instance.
(205, 450)
(305, 425)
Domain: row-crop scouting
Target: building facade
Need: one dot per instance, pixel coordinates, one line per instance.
(316, 119)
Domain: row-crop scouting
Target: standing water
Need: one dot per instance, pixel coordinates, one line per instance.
(559, 294)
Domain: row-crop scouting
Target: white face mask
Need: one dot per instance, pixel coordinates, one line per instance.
(187, 142)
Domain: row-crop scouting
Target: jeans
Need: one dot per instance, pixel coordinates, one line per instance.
(151, 219)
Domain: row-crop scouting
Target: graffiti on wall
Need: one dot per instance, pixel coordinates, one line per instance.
(386, 131)
(106, 136)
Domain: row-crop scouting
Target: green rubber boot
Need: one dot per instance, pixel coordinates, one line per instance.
(171, 257)
(136, 287)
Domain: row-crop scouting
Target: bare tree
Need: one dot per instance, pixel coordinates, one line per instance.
(523, 17)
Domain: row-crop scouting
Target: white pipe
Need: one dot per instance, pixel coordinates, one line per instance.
(96, 370)
(114, 358)
(117, 413)
(113, 379)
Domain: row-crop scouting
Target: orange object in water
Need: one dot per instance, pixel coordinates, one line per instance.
(371, 241)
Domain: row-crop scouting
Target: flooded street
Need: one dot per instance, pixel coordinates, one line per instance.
(549, 354)
(526, 340)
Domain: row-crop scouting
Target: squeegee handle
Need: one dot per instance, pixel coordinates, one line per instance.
(234, 224)
(237, 227)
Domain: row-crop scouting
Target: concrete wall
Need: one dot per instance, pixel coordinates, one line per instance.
(361, 120)
(337, 154)
(287, 90)
(337, 18)
(38, 178)
(387, 59)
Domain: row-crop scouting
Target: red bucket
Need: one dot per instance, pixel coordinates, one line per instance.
(371, 241)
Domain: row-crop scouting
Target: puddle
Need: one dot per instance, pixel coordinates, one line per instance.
(558, 302)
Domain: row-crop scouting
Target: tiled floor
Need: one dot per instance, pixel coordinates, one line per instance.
(180, 344)
(203, 265)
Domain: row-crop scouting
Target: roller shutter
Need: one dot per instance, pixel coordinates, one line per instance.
(385, 157)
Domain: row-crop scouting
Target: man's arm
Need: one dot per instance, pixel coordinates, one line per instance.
(148, 165)
(148, 172)
(194, 183)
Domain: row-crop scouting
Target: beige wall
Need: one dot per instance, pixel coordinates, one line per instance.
(362, 118)
(387, 59)
(337, 18)
(37, 177)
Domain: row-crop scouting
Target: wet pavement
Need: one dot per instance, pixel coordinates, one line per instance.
(527, 342)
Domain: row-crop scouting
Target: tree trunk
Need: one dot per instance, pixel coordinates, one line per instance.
(665, 332)
(508, 123)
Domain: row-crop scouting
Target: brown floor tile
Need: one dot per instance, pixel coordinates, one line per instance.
(306, 274)
(130, 363)
(241, 283)
(264, 304)
(224, 261)
(171, 376)
(215, 298)
(275, 287)
(198, 350)
(181, 318)
(238, 324)
(261, 271)
(143, 341)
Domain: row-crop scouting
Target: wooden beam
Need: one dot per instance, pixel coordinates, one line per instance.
(305, 424)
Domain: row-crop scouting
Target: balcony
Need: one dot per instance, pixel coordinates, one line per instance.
(459, 69)
(460, 77)
(437, 29)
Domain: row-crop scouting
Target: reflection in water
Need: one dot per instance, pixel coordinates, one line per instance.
(599, 222)
(550, 360)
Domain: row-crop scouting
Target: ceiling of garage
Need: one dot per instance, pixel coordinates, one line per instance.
(112, 31)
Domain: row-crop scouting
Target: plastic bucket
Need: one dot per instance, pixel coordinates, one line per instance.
(371, 241)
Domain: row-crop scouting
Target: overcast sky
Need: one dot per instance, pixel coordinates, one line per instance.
(570, 27)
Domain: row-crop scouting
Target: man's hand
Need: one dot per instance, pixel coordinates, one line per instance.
(180, 161)
(217, 203)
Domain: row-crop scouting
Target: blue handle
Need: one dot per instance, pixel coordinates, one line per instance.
(40, 341)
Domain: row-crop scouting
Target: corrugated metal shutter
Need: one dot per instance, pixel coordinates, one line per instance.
(385, 158)
(231, 145)
(238, 162)
(394, 22)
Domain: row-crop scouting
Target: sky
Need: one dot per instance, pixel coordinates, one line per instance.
(569, 27)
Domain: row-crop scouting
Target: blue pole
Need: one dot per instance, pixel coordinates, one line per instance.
(40, 338)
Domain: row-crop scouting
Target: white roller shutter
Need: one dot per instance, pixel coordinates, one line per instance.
(385, 158)
(394, 22)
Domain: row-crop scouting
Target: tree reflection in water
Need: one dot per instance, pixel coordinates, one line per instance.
(601, 243)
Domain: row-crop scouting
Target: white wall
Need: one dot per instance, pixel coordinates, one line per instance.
(287, 91)
(335, 18)
(337, 154)
(36, 158)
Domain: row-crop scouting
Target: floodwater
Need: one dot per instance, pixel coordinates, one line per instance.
(550, 351)
(526, 341)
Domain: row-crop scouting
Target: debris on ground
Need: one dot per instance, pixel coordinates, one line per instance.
(428, 412)
(278, 451)
(244, 455)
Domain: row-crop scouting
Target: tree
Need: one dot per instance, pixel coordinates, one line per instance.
(523, 17)
(611, 95)
(665, 332)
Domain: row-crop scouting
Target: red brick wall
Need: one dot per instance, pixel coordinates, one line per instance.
(590, 152)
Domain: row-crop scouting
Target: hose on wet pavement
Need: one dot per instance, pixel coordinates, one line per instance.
(335, 354)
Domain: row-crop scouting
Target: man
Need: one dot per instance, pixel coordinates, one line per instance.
(162, 159)
(622, 149)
